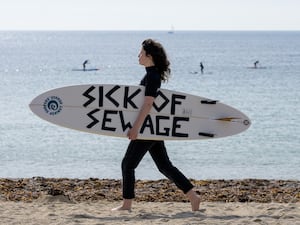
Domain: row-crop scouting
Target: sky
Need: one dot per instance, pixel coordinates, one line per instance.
(149, 14)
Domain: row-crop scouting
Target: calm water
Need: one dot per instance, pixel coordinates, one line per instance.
(33, 62)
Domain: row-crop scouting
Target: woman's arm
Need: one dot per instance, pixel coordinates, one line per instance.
(146, 107)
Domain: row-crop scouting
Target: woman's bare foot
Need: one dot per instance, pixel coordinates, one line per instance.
(196, 204)
(119, 208)
(125, 206)
(194, 199)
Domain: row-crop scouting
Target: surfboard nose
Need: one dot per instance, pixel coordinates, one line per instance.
(34, 102)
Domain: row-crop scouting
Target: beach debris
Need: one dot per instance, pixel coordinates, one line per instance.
(94, 189)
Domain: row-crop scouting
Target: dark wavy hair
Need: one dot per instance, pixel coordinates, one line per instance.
(159, 56)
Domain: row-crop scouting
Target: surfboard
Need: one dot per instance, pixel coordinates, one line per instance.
(111, 109)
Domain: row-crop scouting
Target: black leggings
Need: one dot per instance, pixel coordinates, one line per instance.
(136, 151)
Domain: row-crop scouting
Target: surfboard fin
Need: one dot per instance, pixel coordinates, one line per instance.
(206, 134)
(210, 102)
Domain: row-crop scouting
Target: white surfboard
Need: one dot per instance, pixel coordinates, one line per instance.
(111, 109)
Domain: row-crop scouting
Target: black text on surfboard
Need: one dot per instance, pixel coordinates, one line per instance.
(127, 100)
(101, 95)
(159, 125)
(155, 125)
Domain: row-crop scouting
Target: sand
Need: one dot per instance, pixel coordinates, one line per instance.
(45, 201)
(57, 210)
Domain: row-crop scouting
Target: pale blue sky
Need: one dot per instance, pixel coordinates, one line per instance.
(149, 15)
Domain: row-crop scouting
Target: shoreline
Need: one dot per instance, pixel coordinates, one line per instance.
(94, 189)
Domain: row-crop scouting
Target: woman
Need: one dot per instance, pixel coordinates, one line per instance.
(153, 57)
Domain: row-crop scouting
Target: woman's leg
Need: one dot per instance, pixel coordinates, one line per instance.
(160, 156)
(163, 163)
(134, 154)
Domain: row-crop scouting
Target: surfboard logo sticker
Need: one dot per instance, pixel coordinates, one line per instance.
(53, 105)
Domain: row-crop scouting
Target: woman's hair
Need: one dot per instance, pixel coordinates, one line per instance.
(159, 56)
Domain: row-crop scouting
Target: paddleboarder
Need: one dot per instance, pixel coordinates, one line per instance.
(201, 67)
(84, 64)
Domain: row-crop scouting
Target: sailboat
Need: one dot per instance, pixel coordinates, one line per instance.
(171, 31)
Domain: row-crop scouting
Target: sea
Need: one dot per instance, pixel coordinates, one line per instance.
(32, 62)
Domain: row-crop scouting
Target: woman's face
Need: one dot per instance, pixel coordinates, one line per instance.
(144, 59)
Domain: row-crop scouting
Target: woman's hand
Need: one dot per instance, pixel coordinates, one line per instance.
(132, 133)
(145, 109)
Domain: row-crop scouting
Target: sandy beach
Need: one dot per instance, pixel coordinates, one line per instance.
(56, 211)
(74, 201)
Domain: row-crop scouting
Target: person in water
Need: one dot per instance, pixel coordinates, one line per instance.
(84, 64)
(153, 57)
(201, 67)
(255, 63)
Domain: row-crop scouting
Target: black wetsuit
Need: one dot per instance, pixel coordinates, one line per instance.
(138, 148)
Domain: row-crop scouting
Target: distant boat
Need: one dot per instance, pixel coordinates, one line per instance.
(171, 31)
